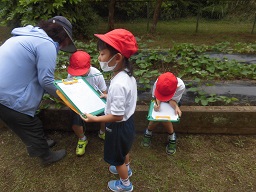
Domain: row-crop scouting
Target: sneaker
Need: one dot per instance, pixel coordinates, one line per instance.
(113, 170)
(53, 156)
(171, 147)
(116, 185)
(80, 149)
(101, 136)
(146, 142)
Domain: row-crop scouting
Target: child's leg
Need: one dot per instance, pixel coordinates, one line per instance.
(113, 169)
(171, 146)
(148, 133)
(79, 131)
(101, 133)
(168, 127)
(82, 142)
(152, 125)
(122, 129)
(123, 170)
(124, 183)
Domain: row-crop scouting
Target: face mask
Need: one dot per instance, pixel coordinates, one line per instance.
(104, 65)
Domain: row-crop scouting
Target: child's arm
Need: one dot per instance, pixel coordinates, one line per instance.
(104, 118)
(176, 108)
(157, 105)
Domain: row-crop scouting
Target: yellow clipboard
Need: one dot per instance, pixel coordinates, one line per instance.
(80, 96)
(63, 98)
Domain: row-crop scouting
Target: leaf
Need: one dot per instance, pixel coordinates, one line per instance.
(204, 102)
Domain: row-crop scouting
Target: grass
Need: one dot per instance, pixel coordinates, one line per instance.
(202, 163)
(184, 31)
(181, 31)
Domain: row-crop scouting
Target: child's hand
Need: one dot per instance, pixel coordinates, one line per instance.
(156, 107)
(178, 111)
(88, 118)
(175, 107)
(104, 95)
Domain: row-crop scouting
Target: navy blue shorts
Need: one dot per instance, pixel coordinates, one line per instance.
(77, 120)
(118, 141)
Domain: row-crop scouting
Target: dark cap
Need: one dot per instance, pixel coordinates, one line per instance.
(67, 26)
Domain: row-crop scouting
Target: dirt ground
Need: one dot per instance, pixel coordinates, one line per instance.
(211, 163)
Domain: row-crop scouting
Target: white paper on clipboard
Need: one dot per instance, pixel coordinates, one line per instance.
(166, 112)
(82, 96)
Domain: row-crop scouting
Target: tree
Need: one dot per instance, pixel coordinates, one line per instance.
(111, 11)
(156, 16)
(23, 12)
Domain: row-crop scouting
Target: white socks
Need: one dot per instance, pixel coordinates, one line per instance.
(172, 136)
(125, 182)
(148, 132)
(83, 139)
(101, 132)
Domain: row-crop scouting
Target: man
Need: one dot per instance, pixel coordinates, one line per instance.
(27, 64)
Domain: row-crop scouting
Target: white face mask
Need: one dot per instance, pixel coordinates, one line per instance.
(104, 65)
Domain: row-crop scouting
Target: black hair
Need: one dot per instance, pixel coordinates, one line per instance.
(102, 45)
(54, 31)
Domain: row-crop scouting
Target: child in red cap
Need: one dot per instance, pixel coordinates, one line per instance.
(80, 65)
(115, 48)
(167, 88)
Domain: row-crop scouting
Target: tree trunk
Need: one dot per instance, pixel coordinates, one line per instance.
(156, 16)
(111, 11)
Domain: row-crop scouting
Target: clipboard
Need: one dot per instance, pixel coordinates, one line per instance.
(80, 96)
(166, 113)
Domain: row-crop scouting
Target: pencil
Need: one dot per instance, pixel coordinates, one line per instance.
(97, 88)
(155, 101)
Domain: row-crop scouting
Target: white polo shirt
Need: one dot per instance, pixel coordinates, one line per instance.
(95, 77)
(178, 93)
(122, 96)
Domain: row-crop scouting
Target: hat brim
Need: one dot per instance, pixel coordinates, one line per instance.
(71, 48)
(77, 72)
(108, 41)
(161, 97)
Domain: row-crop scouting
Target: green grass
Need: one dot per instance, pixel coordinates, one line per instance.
(181, 31)
(184, 31)
(202, 163)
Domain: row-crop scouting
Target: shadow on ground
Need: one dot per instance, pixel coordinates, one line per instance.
(201, 163)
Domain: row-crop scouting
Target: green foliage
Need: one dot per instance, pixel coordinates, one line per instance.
(23, 12)
(143, 69)
(192, 63)
(204, 99)
(125, 10)
(48, 101)
(187, 61)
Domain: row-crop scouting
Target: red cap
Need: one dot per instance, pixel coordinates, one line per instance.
(79, 63)
(166, 86)
(121, 40)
